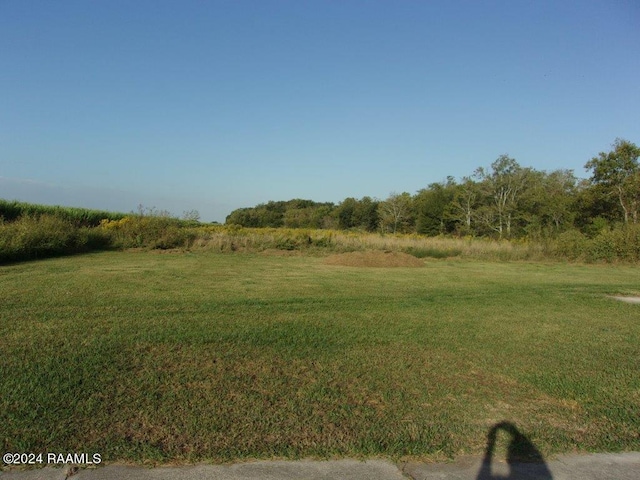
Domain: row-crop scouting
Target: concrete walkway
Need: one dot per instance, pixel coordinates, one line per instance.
(623, 466)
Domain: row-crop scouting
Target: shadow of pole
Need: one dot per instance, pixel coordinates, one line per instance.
(523, 458)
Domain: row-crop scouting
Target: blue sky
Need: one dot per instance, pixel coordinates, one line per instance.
(216, 105)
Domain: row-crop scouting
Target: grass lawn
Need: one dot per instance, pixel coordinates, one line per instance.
(188, 357)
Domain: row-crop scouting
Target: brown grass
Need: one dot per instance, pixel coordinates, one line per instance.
(220, 238)
(374, 259)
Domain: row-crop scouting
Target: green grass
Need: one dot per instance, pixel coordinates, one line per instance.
(189, 357)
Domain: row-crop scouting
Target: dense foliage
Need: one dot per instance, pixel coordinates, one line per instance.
(81, 217)
(552, 214)
(30, 231)
(505, 200)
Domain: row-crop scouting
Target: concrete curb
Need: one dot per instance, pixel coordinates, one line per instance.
(602, 466)
(621, 466)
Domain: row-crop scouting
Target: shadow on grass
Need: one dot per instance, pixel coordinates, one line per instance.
(6, 261)
(523, 458)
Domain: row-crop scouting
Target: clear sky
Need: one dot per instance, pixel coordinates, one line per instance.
(216, 105)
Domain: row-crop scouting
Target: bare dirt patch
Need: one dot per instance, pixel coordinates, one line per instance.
(627, 299)
(374, 259)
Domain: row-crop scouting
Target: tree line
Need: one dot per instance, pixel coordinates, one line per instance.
(504, 200)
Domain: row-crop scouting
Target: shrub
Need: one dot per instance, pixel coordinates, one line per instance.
(39, 236)
(79, 217)
(136, 231)
(603, 247)
(572, 245)
(174, 237)
(323, 241)
(621, 243)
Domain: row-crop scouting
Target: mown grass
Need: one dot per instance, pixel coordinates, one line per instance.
(154, 357)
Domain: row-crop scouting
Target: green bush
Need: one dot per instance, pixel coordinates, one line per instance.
(140, 231)
(93, 238)
(631, 243)
(572, 245)
(322, 242)
(603, 247)
(32, 237)
(287, 243)
(621, 243)
(45, 235)
(174, 237)
(80, 217)
(595, 226)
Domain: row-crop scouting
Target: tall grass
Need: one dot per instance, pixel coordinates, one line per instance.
(234, 238)
(32, 231)
(46, 235)
(617, 245)
(136, 231)
(81, 217)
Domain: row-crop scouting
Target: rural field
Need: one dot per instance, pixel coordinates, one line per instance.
(189, 356)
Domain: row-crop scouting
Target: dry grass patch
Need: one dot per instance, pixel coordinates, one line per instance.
(374, 259)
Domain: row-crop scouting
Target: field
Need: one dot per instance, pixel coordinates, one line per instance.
(183, 357)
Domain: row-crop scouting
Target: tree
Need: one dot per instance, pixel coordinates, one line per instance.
(547, 202)
(433, 205)
(593, 205)
(559, 197)
(299, 218)
(394, 210)
(618, 172)
(502, 186)
(360, 214)
(191, 216)
(345, 213)
(365, 214)
(464, 204)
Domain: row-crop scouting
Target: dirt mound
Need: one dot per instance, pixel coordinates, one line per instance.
(374, 259)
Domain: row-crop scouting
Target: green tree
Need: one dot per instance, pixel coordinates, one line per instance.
(247, 217)
(361, 214)
(345, 213)
(594, 207)
(298, 218)
(306, 213)
(365, 214)
(502, 187)
(618, 173)
(464, 204)
(394, 211)
(559, 190)
(547, 202)
(433, 208)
